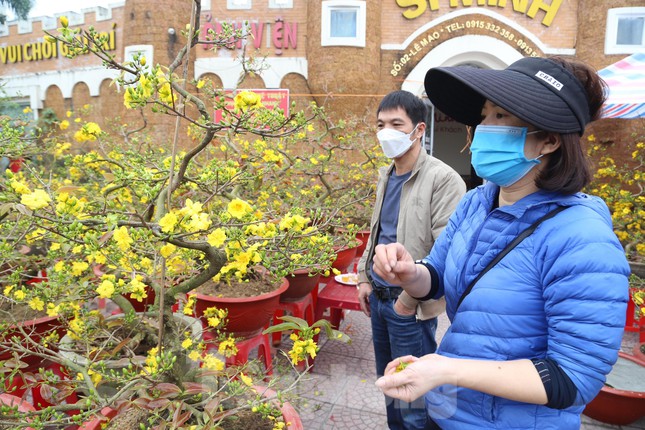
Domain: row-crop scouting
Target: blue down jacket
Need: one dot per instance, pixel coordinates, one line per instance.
(560, 294)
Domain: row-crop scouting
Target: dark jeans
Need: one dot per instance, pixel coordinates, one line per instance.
(393, 336)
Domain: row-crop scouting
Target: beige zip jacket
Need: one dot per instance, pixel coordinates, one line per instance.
(428, 199)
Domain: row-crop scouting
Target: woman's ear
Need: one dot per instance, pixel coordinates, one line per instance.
(551, 143)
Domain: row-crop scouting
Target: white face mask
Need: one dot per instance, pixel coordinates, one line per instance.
(394, 142)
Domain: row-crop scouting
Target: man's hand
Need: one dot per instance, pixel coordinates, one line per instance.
(402, 309)
(364, 291)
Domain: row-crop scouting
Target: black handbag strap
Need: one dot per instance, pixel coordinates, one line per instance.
(523, 235)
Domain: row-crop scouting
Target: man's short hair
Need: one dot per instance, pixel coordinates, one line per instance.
(414, 107)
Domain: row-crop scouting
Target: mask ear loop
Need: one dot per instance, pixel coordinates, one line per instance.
(469, 138)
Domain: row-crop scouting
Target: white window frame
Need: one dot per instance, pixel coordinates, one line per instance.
(280, 4)
(146, 50)
(328, 7)
(611, 34)
(239, 4)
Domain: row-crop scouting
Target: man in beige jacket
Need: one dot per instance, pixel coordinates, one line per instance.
(415, 196)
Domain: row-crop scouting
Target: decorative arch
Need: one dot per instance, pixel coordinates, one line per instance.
(484, 51)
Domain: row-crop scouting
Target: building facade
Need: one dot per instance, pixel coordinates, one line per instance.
(343, 54)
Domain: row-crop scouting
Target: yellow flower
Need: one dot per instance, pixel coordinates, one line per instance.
(247, 100)
(212, 363)
(19, 187)
(200, 83)
(7, 290)
(37, 304)
(78, 267)
(122, 238)
(105, 290)
(246, 379)
(64, 21)
(52, 310)
(188, 307)
(36, 200)
(19, 295)
(168, 222)
(199, 222)
(191, 208)
(194, 355)
(187, 343)
(64, 124)
(27, 110)
(239, 208)
(138, 289)
(166, 94)
(167, 250)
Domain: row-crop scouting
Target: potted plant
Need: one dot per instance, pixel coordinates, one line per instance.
(155, 218)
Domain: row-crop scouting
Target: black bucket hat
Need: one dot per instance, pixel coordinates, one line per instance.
(536, 90)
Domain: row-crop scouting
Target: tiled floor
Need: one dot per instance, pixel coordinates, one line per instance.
(339, 393)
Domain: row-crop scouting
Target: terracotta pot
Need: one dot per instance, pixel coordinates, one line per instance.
(10, 400)
(300, 284)
(247, 316)
(345, 256)
(617, 406)
(363, 236)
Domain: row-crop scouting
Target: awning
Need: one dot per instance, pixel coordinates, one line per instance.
(626, 81)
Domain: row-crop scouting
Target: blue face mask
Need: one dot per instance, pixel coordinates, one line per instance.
(498, 154)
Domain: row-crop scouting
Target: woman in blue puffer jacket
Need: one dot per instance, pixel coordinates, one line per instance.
(532, 340)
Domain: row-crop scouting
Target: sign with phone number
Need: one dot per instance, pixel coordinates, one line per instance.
(454, 29)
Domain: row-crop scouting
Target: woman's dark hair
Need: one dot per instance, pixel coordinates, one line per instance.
(413, 105)
(568, 170)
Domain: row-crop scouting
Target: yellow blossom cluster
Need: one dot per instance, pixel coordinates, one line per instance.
(621, 185)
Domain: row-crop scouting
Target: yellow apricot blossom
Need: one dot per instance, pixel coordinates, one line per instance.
(122, 238)
(36, 200)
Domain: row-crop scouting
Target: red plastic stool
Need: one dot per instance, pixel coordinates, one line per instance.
(631, 323)
(301, 308)
(244, 348)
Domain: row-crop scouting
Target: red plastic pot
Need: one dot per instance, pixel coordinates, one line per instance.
(300, 284)
(363, 236)
(615, 406)
(289, 413)
(97, 423)
(247, 316)
(11, 400)
(345, 256)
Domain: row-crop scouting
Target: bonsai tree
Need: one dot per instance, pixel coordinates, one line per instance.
(108, 215)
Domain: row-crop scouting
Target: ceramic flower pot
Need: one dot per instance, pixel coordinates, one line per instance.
(301, 283)
(247, 316)
(622, 400)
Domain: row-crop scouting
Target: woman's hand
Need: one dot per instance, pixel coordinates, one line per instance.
(408, 378)
(393, 263)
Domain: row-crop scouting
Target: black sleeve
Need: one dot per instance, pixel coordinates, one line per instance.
(560, 390)
(434, 282)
